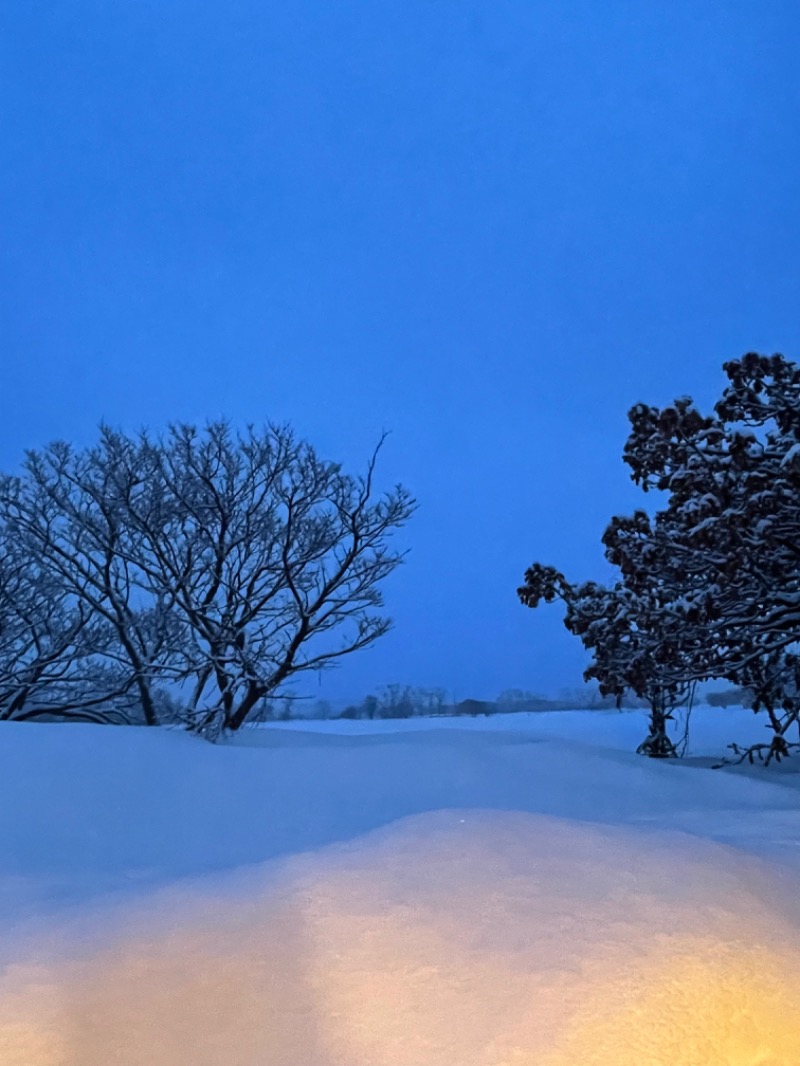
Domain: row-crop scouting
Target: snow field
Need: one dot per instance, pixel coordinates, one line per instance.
(479, 897)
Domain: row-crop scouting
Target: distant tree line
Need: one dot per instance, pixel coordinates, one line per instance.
(397, 701)
(731, 697)
(185, 577)
(709, 585)
(410, 701)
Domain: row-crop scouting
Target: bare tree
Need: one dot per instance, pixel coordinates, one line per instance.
(207, 566)
(261, 552)
(398, 701)
(66, 515)
(430, 700)
(40, 635)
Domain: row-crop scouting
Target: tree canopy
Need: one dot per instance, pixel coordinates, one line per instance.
(193, 573)
(709, 584)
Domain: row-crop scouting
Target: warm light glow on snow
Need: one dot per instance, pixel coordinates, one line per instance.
(456, 938)
(695, 1002)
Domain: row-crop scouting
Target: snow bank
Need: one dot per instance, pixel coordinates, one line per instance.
(528, 895)
(85, 810)
(453, 938)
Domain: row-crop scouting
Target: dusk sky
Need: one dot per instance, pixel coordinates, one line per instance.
(489, 228)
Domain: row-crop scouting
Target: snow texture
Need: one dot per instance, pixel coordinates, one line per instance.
(397, 894)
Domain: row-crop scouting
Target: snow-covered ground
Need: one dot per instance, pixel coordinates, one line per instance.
(521, 890)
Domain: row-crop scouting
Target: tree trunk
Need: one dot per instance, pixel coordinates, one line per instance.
(658, 745)
(237, 719)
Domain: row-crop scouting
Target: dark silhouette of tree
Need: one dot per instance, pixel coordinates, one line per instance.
(218, 564)
(87, 639)
(710, 584)
(617, 626)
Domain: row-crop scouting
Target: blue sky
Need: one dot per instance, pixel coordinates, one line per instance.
(489, 228)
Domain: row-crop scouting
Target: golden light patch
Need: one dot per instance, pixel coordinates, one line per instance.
(460, 938)
(701, 1003)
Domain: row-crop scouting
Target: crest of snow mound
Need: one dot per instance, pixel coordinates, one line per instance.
(456, 938)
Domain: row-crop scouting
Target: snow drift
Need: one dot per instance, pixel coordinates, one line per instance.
(452, 938)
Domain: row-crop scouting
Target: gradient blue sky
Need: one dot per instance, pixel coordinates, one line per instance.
(488, 227)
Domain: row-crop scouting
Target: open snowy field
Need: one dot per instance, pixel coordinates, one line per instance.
(511, 891)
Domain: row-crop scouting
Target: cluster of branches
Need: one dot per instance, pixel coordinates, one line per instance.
(709, 586)
(188, 576)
